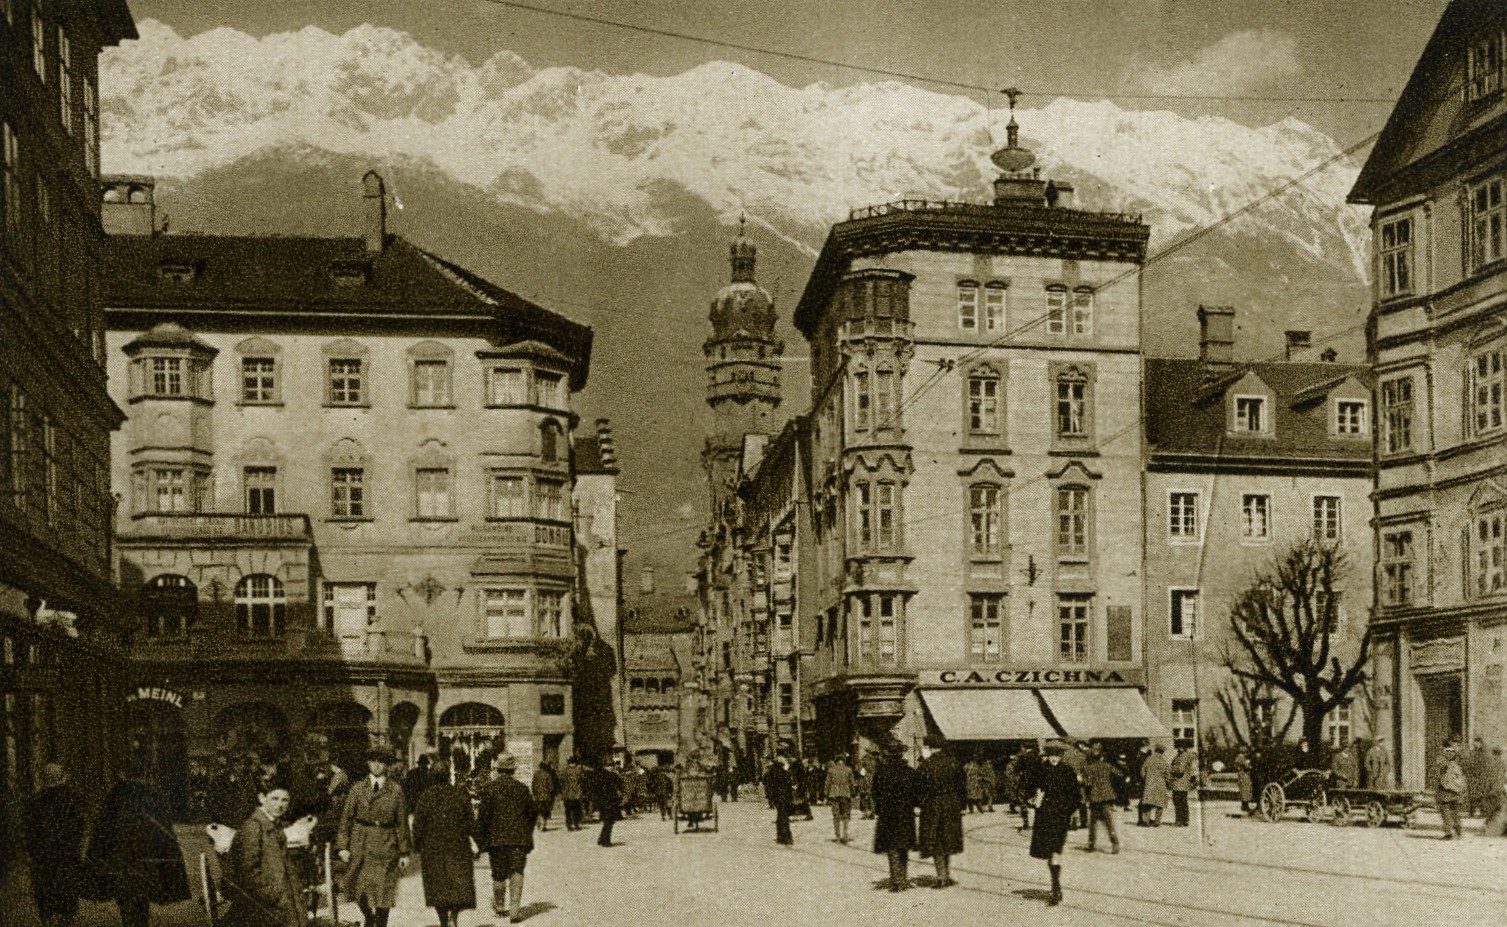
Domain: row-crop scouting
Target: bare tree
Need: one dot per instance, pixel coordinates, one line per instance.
(1250, 710)
(1284, 626)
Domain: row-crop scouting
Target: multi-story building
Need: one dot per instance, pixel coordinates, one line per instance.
(1438, 341)
(1243, 461)
(348, 499)
(60, 657)
(974, 469)
(660, 700)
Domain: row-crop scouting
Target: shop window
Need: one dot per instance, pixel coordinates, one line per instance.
(261, 606)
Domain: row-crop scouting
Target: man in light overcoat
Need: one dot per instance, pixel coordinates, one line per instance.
(374, 841)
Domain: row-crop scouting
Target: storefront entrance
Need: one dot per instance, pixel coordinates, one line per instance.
(471, 734)
(1443, 716)
(157, 733)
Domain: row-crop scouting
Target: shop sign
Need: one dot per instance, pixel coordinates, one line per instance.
(1034, 677)
(156, 694)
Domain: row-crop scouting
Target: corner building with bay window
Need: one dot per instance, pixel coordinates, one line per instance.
(974, 471)
(346, 483)
(1437, 182)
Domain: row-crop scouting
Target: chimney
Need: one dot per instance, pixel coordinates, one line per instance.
(374, 192)
(1216, 337)
(1059, 194)
(129, 205)
(1298, 343)
(606, 444)
(1329, 356)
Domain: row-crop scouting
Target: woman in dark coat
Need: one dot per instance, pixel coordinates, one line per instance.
(1058, 795)
(443, 827)
(894, 792)
(135, 849)
(942, 790)
(260, 882)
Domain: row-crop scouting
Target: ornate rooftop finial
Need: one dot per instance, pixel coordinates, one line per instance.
(1013, 158)
(743, 254)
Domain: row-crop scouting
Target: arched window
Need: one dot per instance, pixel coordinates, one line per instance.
(170, 604)
(261, 606)
(473, 730)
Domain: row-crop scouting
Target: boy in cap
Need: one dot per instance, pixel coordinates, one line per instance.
(374, 840)
(505, 822)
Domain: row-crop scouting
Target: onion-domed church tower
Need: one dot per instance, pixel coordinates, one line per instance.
(743, 368)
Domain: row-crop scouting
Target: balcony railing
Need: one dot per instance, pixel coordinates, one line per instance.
(218, 526)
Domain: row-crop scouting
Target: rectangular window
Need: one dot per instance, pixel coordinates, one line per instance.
(887, 505)
(787, 698)
(861, 401)
(1350, 417)
(1397, 568)
(1072, 521)
(508, 496)
(258, 379)
(261, 490)
(1486, 221)
(863, 617)
(168, 489)
(551, 612)
(994, 309)
(348, 492)
(91, 126)
(1256, 514)
(1056, 311)
(1338, 726)
(167, 376)
(1250, 413)
(888, 628)
(1072, 407)
(1484, 66)
(1326, 518)
(549, 390)
(884, 396)
(1184, 722)
(985, 628)
(968, 307)
(863, 507)
(65, 80)
(1489, 555)
(10, 182)
(431, 383)
(1182, 516)
(347, 383)
(1072, 629)
(983, 404)
(984, 514)
(1327, 622)
(1083, 312)
(349, 608)
(1396, 252)
(1397, 415)
(432, 491)
(1486, 393)
(38, 42)
(506, 613)
(506, 386)
(1182, 617)
(549, 500)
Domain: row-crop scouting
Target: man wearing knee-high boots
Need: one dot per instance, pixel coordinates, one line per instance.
(505, 822)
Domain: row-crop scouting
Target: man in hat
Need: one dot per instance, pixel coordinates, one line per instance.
(1449, 791)
(1379, 765)
(374, 840)
(942, 790)
(779, 788)
(1057, 797)
(1099, 786)
(894, 792)
(505, 822)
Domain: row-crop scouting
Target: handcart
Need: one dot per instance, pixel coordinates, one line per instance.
(695, 801)
(1378, 805)
(1304, 789)
(319, 897)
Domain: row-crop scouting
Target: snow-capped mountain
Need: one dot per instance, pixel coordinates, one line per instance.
(528, 175)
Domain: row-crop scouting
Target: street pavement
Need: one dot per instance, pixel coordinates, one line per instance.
(1225, 870)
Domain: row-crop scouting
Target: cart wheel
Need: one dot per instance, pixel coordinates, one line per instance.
(1409, 818)
(1376, 813)
(1341, 812)
(1317, 810)
(1273, 802)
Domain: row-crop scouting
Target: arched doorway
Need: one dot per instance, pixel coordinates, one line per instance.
(401, 721)
(253, 727)
(473, 731)
(345, 729)
(156, 731)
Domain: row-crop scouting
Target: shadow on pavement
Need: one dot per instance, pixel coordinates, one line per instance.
(1033, 894)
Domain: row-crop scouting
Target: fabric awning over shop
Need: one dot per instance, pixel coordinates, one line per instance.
(987, 714)
(1090, 714)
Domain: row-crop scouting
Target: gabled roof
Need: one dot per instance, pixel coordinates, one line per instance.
(661, 613)
(1432, 118)
(1187, 417)
(297, 276)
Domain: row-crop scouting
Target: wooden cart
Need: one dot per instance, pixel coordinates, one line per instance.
(695, 802)
(1377, 806)
(1304, 789)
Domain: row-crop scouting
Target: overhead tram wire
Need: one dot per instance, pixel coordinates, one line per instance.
(920, 78)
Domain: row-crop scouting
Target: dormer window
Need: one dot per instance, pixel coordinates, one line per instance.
(1483, 76)
(179, 272)
(1250, 414)
(1350, 417)
(350, 273)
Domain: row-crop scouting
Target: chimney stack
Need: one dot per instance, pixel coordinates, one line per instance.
(1298, 343)
(374, 192)
(606, 444)
(129, 205)
(1216, 337)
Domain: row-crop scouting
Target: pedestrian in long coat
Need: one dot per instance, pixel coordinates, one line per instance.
(894, 792)
(779, 788)
(1058, 795)
(1182, 779)
(1155, 774)
(544, 787)
(1243, 781)
(374, 840)
(260, 882)
(941, 791)
(443, 828)
(136, 849)
(505, 823)
(1379, 765)
(55, 843)
(973, 772)
(607, 794)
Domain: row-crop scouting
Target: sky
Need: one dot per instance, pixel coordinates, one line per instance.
(1277, 50)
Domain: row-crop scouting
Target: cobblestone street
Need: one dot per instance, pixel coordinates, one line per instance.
(1247, 872)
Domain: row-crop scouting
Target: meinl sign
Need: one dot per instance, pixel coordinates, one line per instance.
(1034, 677)
(156, 694)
